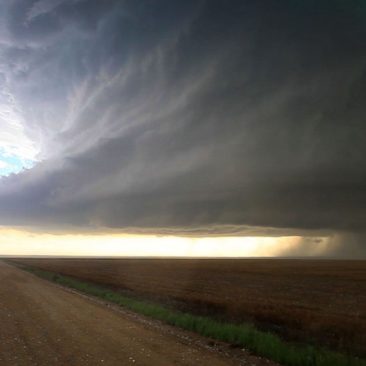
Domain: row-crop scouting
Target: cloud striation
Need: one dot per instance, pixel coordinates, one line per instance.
(204, 117)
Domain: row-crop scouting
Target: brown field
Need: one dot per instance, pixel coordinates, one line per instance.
(317, 301)
(45, 325)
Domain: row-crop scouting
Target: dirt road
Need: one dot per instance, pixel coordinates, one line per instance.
(288, 296)
(43, 324)
(319, 300)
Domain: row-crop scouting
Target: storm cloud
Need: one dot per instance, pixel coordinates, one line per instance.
(185, 116)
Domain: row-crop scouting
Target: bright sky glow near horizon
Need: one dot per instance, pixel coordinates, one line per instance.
(19, 242)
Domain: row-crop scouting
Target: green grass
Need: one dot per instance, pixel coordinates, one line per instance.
(245, 335)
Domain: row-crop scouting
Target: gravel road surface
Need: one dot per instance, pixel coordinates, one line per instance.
(44, 324)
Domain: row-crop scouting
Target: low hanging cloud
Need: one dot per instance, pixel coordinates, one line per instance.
(183, 117)
(340, 245)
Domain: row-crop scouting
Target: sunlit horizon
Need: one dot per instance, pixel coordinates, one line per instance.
(14, 242)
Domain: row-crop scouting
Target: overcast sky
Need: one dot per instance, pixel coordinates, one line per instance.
(186, 117)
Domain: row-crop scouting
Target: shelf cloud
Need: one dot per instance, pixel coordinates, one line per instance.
(185, 117)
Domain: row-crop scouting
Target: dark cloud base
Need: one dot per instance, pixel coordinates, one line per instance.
(202, 117)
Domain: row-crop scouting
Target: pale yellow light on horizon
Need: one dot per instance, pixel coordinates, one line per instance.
(19, 242)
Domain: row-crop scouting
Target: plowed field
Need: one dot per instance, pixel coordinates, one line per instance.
(319, 301)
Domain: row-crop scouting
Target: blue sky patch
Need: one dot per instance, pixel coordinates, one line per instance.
(12, 164)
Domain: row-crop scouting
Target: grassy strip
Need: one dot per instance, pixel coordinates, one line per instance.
(261, 343)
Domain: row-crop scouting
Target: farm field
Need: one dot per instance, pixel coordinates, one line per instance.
(45, 325)
(316, 301)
